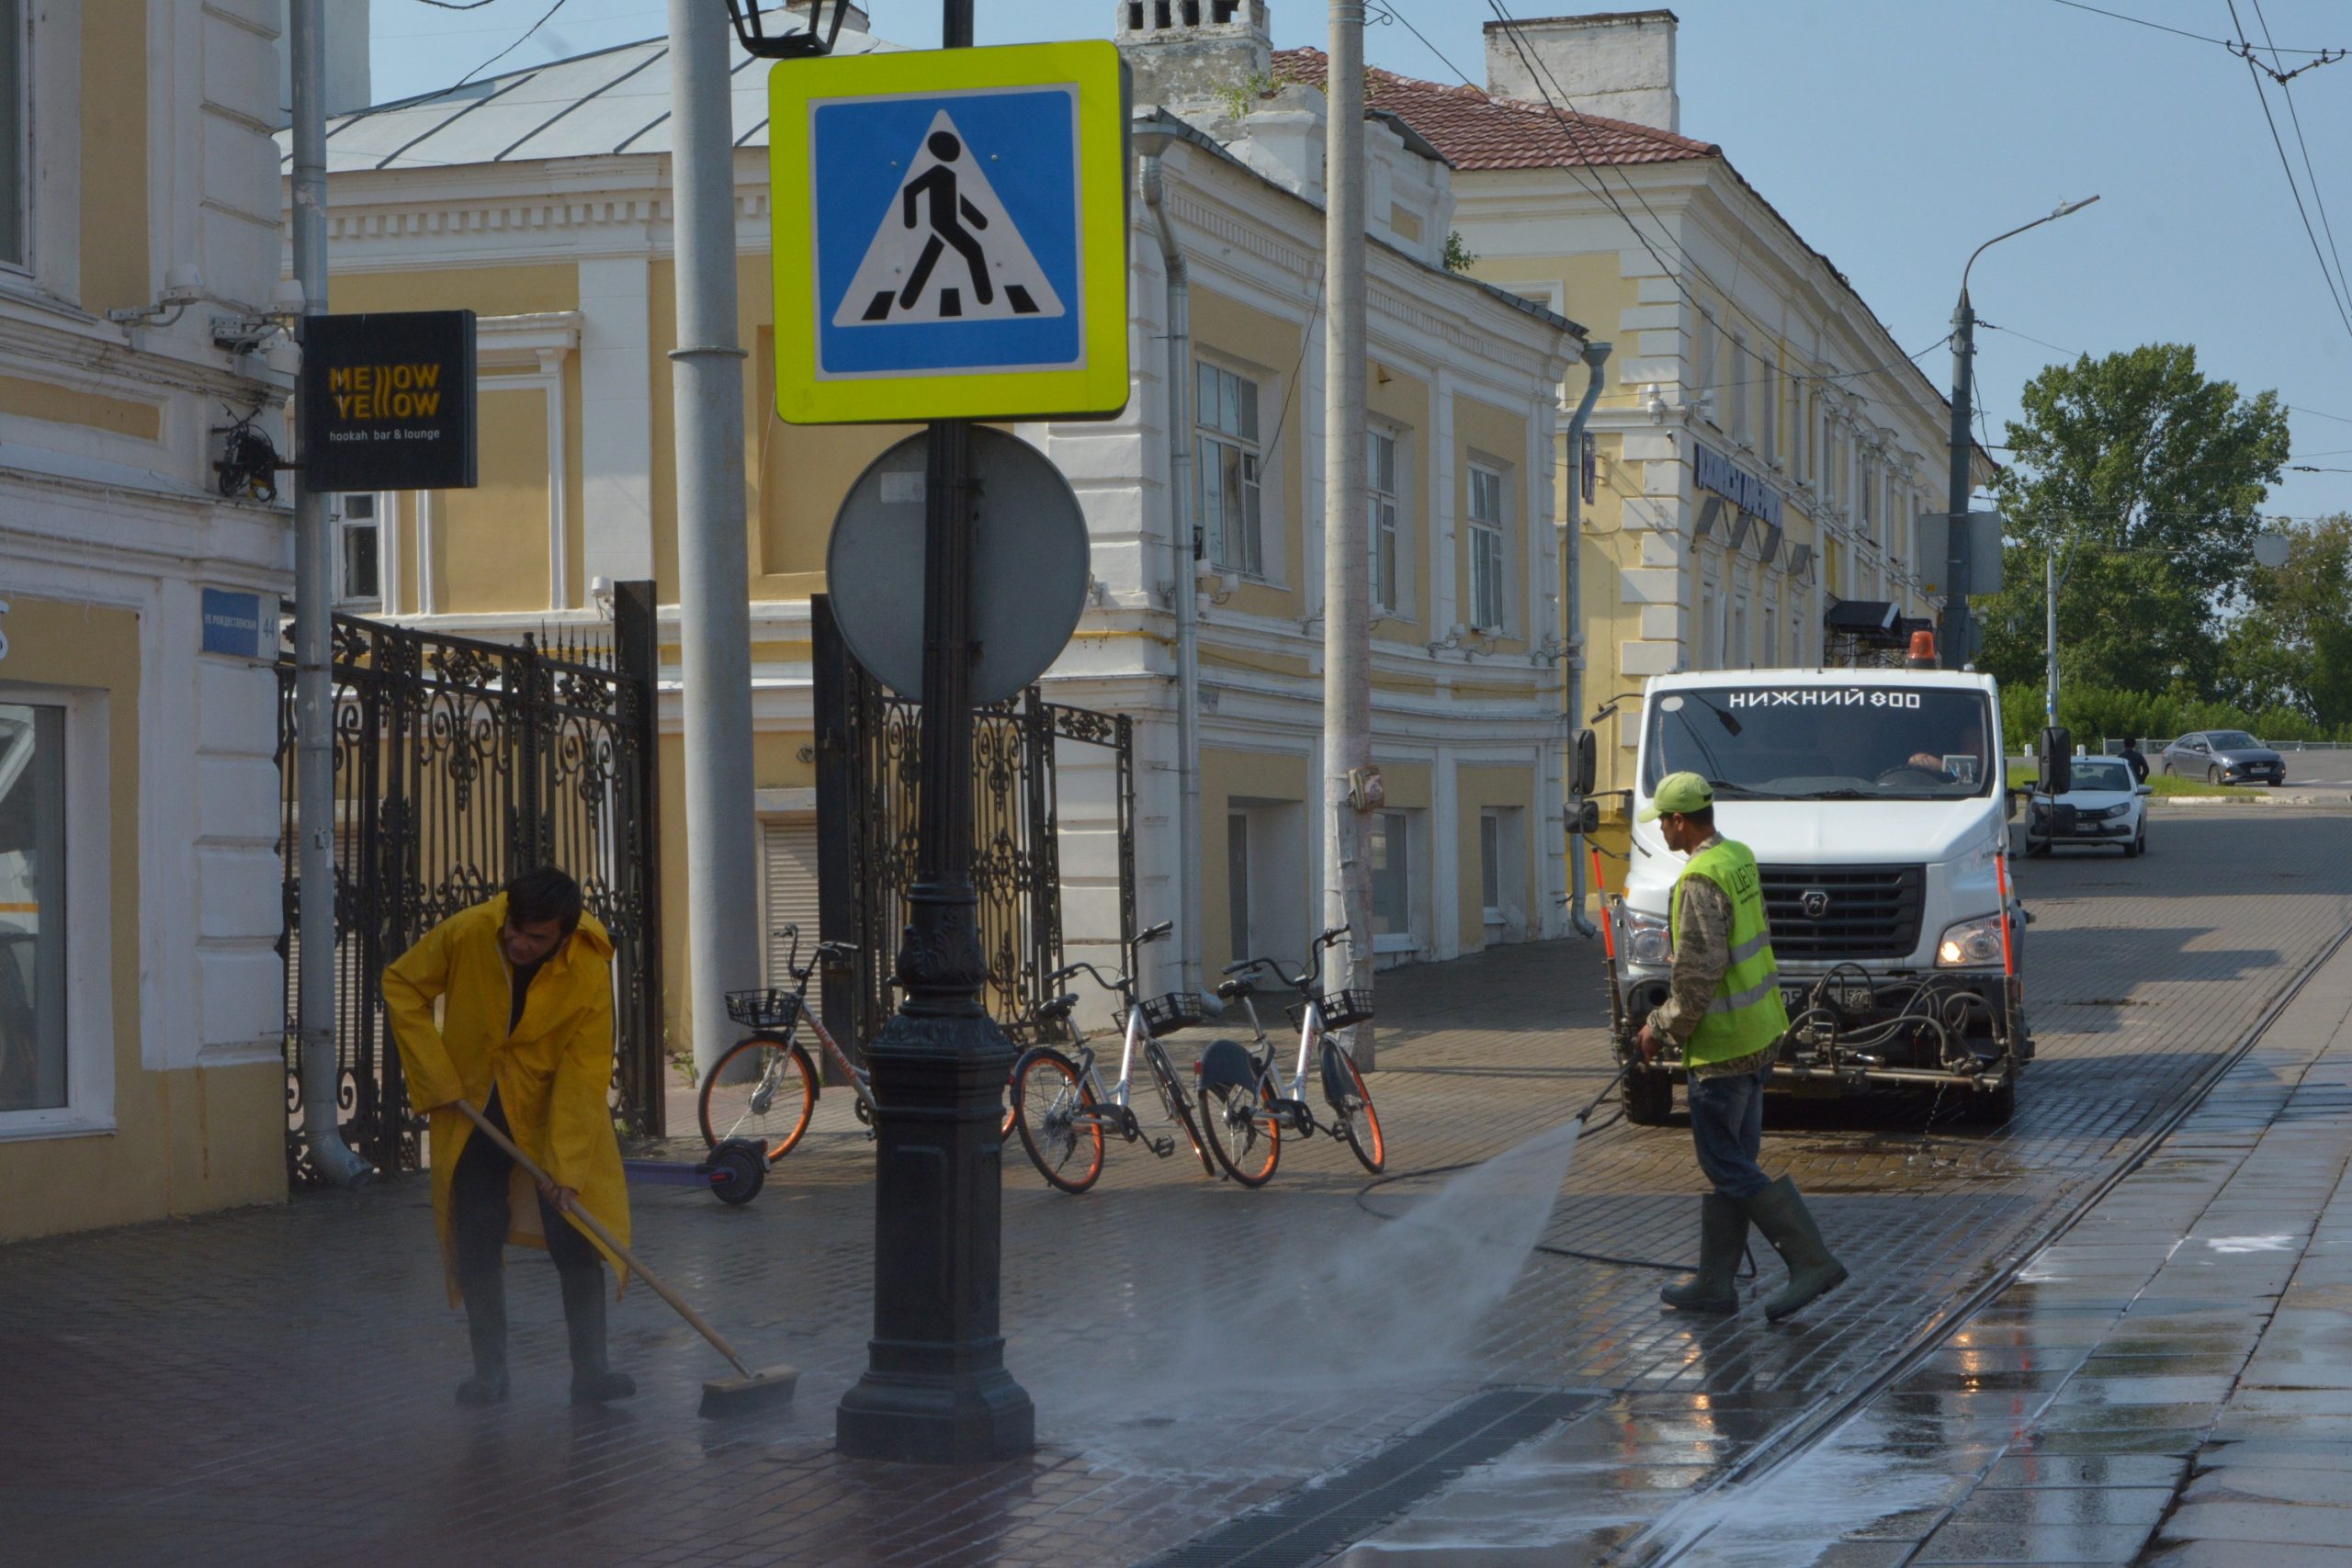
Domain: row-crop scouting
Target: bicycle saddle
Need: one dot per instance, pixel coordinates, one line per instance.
(1058, 1009)
(1233, 990)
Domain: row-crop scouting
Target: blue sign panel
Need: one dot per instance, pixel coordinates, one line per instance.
(948, 231)
(232, 625)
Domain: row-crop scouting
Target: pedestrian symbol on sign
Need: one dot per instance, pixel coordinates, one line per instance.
(945, 204)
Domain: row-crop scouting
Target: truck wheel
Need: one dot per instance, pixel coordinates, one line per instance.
(1650, 1098)
(1993, 1108)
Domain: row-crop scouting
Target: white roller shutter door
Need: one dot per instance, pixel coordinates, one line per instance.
(788, 896)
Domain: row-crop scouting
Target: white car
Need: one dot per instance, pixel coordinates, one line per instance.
(2110, 806)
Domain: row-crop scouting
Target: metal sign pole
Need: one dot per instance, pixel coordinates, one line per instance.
(935, 1389)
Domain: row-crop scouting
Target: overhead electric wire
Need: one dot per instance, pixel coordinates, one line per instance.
(2295, 118)
(2179, 32)
(2334, 286)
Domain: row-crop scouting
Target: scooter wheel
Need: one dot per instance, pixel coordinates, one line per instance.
(737, 1170)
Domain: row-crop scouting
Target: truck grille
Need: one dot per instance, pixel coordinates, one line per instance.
(1864, 911)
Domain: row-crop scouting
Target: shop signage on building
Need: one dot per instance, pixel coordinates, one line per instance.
(388, 401)
(1713, 471)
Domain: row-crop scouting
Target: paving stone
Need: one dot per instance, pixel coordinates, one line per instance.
(2285, 1524)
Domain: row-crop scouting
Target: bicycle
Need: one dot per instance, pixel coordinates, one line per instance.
(1242, 1110)
(1059, 1104)
(766, 1086)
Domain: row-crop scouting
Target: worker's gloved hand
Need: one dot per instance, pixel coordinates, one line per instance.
(1648, 1043)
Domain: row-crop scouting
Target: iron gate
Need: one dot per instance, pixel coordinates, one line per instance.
(867, 763)
(459, 763)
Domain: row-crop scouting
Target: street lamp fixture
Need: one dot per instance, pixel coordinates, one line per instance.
(806, 44)
(1953, 635)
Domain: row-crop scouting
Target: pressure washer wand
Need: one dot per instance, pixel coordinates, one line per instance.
(1609, 946)
(1606, 1089)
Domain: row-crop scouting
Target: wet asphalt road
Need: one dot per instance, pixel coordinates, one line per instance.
(1194, 1350)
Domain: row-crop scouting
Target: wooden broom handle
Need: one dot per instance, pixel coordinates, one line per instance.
(595, 1227)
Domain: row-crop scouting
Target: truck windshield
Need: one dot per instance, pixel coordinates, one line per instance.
(1854, 742)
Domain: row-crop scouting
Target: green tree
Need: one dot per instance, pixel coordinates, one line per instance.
(2290, 645)
(2144, 477)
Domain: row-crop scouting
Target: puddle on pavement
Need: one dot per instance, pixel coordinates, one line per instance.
(1274, 1349)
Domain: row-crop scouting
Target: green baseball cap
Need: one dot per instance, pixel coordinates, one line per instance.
(1677, 793)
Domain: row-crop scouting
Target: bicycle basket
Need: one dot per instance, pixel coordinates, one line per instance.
(1166, 1015)
(1341, 1009)
(771, 1006)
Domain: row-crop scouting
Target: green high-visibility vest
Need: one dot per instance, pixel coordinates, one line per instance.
(1746, 1015)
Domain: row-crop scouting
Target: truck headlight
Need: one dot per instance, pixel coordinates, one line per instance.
(1647, 939)
(1969, 944)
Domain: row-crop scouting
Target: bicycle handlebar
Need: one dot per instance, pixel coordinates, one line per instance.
(1310, 978)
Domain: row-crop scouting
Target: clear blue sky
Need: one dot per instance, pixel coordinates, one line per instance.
(1895, 135)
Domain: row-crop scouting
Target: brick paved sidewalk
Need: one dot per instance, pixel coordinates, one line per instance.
(274, 1384)
(2169, 1383)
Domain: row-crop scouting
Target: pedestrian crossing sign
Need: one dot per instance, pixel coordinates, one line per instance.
(950, 234)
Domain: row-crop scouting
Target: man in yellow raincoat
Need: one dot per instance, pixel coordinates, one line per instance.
(527, 1037)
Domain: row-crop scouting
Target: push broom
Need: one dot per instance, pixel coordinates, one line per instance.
(722, 1396)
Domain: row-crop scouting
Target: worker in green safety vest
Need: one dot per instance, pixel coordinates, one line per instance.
(1723, 1008)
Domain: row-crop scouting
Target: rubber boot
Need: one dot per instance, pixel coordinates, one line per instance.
(594, 1382)
(1722, 1237)
(1779, 1212)
(485, 1295)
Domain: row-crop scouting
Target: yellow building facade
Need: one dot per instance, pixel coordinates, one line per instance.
(540, 201)
(1762, 447)
(142, 1069)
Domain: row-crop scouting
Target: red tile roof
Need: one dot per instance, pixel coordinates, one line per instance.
(1475, 131)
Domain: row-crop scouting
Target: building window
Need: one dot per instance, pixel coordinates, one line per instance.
(358, 560)
(1867, 493)
(1392, 889)
(1229, 467)
(1380, 520)
(1743, 653)
(1706, 365)
(1487, 531)
(1768, 410)
(1740, 367)
(13, 118)
(33, 1074)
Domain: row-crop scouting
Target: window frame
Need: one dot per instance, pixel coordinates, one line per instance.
(1490, 865)
(1391, 500)
(1209, 434)
(15, 20)
(344, 526)
(1491, 532)
(1407, 834)
(89, 1107)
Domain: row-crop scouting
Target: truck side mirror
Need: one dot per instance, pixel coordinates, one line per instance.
(2057, 761)
(1584, 761)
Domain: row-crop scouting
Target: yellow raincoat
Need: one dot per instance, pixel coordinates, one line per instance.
(551, 1071)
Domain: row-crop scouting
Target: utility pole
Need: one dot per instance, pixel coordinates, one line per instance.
(1596, 360)
(1952, 636)
(935, 1390)
(714, 580)
(2050, 590)
(315, 646)
(1347, 569)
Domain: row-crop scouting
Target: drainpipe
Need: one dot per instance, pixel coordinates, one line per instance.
(1184, 550)
(334, 1160)
(1596, 355)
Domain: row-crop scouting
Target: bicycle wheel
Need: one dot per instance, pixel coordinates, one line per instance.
(1352, 1111)
(1048, 1098)
(1244, 1136)
(762, 1088)
(1175, 1101)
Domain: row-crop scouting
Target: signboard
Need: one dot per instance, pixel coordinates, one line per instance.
(1713, 471)
(235, 625)
(1984, 555)
(950, 234)
(388, 401)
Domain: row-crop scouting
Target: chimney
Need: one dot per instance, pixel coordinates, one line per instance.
(1618, 64)
(1190, 52)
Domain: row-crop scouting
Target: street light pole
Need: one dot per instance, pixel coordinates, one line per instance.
(935, 1390)
(2050, 592)
(1952, 635)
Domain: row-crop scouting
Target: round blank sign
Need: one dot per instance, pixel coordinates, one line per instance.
(1030, 567)
(2271, 549)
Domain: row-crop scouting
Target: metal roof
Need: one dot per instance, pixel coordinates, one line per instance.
(615, 101)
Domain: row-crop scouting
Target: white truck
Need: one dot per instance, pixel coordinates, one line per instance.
(1876, 804)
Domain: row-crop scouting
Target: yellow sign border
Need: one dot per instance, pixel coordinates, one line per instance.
(1099, 388)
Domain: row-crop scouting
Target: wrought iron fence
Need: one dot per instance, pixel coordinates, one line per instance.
(869, 746)
(459, 763)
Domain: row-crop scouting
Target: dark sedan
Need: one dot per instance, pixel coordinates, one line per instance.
(2224, 756)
